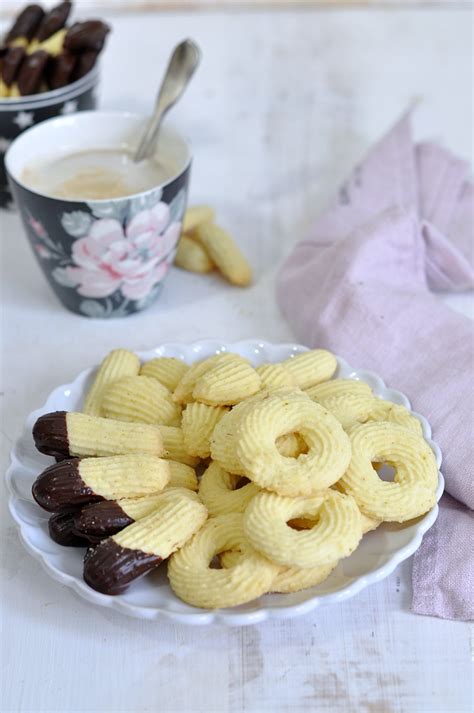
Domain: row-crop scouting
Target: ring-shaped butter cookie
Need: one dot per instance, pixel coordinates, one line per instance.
(197, 583)
(413, 490)
(284, 411)
(335, 534)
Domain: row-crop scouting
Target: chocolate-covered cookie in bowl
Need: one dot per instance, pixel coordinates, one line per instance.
(48, 67)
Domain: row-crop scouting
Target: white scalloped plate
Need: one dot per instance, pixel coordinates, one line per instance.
(151, 597)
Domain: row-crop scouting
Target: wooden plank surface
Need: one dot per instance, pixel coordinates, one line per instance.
(282, 106)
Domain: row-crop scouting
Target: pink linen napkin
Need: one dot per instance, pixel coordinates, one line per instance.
(360, 286)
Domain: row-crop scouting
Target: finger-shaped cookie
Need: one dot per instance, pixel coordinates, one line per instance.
(31, 73)
(26, 24)
(184, 390)
(413, 490)
(167, 370)
(192, 256)
(60, 70)
(100, 520)
(66, 433)
(110, 516)
(174, 447)
(222, 492)
(198, 423)
(61, 530)
(272, 376)
(310, 368)
(195, 215)
(140, 399)
(284, 411)
(85, 61)
(115, 562)
(195, 582)
(227, 382)
(118, 364)
(74, 482)
(382, 410)
(53, 21)
(84, 36)
(225, 253)
(347, 399)
(336, 534)
(182, 476)
(11, 62)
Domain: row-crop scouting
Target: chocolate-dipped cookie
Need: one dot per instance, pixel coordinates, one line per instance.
(84, 36)
(114, 563)
(110, 516)
(109, 568)
(75, 482)
(84, 64)
(53, 21)
(102, 519)
(26, 24)
(61, 530)
(63, 433)
(61, 487)
(32, 72)
(61, 69)
(11, 63)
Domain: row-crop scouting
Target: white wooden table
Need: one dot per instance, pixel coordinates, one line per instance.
(282, 106)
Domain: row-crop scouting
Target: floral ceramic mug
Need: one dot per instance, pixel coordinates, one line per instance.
(103, 258)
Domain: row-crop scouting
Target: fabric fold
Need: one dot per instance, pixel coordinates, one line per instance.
(360, 286)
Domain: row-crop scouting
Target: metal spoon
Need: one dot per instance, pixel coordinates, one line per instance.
(181, 67)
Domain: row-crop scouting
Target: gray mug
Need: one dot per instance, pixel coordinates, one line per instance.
(102, 258)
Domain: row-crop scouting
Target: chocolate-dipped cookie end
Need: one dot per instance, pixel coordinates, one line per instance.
(61, 530)
(50, 434)
(60, 487)
(109, 568)
(101, 519)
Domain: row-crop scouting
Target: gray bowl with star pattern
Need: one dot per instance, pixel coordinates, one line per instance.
(21, 113)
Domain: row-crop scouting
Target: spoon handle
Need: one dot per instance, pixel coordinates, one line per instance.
(181, 67)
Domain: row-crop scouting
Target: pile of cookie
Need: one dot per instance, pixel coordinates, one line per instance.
(40, 52)
(205, 246)
(247, 480)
